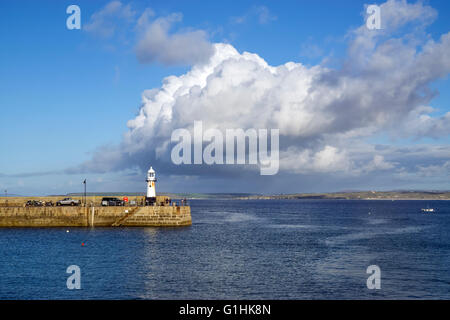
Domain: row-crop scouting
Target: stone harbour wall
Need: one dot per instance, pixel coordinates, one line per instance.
(146, 216)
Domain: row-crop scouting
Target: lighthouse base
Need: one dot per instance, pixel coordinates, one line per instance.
(150, 201)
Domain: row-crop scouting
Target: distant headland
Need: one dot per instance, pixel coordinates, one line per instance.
(342, 195)
(360, 195)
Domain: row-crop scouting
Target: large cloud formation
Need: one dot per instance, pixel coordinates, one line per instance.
(325, 115)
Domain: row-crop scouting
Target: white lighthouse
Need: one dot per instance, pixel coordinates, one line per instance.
(151, 180)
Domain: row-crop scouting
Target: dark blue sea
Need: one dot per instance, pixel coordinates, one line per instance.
(262, 249)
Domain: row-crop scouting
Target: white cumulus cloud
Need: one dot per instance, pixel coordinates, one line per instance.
(322, 113)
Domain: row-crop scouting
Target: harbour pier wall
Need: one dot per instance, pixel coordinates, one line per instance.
(127, 216)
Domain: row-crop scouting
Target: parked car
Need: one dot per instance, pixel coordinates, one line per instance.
(34, 203)
(110, 201)
(68, 202)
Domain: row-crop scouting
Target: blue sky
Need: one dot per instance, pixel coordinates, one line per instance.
(65, 93)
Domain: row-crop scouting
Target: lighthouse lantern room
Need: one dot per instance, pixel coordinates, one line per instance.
(151, 191)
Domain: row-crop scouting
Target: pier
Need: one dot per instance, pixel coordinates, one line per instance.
(163, 213)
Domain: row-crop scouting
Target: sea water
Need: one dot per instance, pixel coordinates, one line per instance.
(242, 249)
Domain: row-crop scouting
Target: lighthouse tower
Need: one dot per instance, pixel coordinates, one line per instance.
(151, 191)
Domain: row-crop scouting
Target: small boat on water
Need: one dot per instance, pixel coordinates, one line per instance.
(428, 210)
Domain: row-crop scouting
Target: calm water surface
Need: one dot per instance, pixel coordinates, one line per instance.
(262, 249)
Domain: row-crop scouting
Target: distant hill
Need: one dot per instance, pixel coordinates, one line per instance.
(362, 195)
